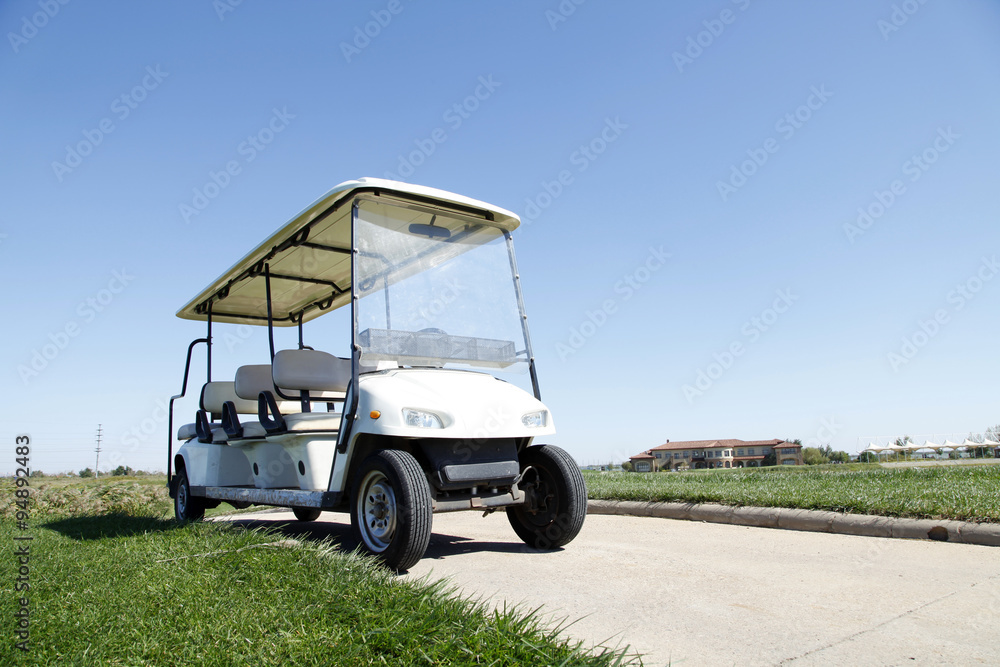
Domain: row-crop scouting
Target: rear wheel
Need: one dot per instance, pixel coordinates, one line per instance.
(306, 513)
(555, 502)
(186, 506)
(391, 509)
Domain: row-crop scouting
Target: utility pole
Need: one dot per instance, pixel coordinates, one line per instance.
(97, 464)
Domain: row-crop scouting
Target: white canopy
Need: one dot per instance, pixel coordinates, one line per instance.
(308, 260)
(893, 447)
(951, 445)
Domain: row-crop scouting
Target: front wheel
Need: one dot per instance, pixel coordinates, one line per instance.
(186, 506)
(391, 509)
(555, 502)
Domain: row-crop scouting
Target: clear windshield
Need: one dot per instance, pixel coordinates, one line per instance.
(435, 290)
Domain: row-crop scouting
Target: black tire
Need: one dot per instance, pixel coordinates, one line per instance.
(556, 499)
(186, 506)
(306, 513)
(391, 509)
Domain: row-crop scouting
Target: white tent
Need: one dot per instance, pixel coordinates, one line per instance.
(951, 445)
(893, 447)
(874, 449)
(930, 445)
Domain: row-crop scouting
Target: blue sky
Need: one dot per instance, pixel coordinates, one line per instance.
(812, 185)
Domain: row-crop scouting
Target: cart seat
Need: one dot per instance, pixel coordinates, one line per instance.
(310, 375)
(213, 397)
(251, 380)
(255, 378)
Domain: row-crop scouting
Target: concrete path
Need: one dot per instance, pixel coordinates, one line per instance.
(691, 593)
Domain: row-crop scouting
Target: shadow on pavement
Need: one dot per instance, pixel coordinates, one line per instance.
(339, 532)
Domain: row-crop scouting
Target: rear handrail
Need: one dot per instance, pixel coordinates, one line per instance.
(170, 411)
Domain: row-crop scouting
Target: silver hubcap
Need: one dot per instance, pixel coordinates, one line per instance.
(182, 498)
(377, 511)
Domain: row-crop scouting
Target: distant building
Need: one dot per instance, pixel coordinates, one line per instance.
(716, 454)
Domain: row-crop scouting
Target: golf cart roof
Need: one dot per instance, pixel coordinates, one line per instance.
(309, 258)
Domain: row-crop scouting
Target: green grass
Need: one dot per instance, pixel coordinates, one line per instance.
(965, 493)
(124, 585)
(73, 496)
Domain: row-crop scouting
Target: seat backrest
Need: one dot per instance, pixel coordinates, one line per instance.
(214, 394)
(319, 373)
(253, 379)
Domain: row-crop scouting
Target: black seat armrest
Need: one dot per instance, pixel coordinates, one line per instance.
(231, 420)
(269, 414)
(202, 426)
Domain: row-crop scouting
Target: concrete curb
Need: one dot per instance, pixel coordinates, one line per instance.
(986, 534)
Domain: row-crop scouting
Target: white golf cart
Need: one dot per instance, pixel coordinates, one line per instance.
(424, 416)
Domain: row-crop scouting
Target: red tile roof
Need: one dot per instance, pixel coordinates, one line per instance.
(731, 443)
(713, 444)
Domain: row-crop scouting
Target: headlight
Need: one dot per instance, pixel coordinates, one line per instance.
(421, 419)
(535, 419)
